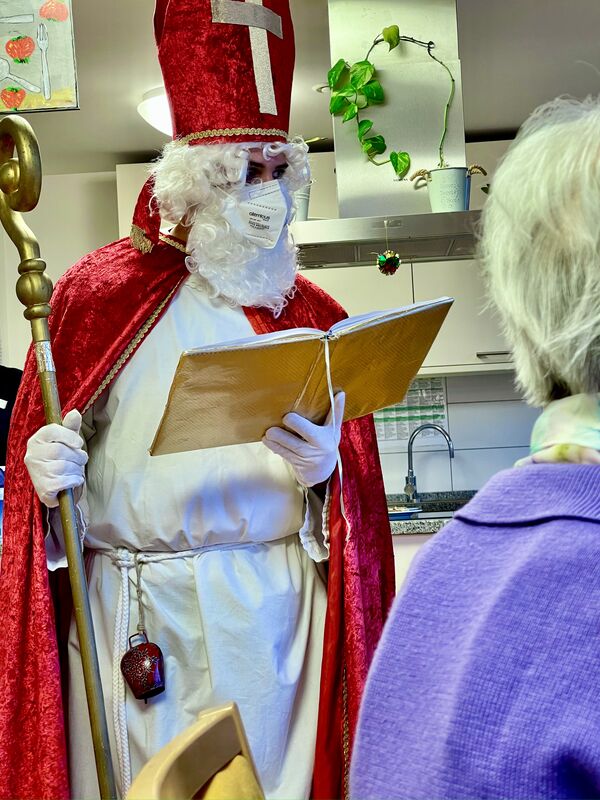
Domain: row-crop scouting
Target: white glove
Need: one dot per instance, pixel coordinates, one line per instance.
(55, 459)
(313, 453)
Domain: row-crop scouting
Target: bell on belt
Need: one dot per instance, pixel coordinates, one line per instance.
(143, 668)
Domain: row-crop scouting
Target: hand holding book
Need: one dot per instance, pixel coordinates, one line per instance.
(310, 449)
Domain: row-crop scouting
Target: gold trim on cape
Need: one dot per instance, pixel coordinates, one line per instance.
(130, 349)
(173, 242)
(139, 239)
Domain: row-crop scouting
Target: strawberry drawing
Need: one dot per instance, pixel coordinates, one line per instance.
(55, 11)
(12, 97)
(20, 48)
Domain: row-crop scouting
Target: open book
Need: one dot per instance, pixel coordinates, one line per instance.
(231, 392)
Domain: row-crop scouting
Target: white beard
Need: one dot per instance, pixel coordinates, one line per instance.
(239, 271)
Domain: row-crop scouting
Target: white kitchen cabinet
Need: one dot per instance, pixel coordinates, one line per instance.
(470, 339)
(363, 289)
(406, 547)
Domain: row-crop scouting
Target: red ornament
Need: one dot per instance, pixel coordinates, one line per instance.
(143, 668)
(12, 97)
(55, 11)
(388, 262)
(20, 48)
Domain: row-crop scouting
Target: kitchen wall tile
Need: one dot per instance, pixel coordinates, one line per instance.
(491, 424)
(485, 386)
(431, 468)
(423, 443)
(471, 469)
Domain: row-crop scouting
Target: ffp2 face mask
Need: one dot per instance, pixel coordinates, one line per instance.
(260, 213)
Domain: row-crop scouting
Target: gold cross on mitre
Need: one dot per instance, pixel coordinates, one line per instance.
(260, 21)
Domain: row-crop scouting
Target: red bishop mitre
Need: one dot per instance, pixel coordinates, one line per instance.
(227, 67)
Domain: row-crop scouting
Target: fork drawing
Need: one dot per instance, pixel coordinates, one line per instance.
(42, 42)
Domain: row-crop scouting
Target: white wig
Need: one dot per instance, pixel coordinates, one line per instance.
(192, 184)
(540, 249)
(190, 179)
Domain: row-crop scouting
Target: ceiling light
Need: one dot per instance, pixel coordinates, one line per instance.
(154, 108)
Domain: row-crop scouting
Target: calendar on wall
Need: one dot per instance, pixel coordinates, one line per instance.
(37, 56)
(425, 402)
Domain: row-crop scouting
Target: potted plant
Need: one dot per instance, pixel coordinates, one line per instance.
(355, 87)
(449, 188)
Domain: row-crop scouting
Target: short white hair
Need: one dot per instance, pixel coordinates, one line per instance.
(540, 249)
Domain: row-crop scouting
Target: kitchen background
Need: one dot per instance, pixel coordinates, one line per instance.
(510, 56)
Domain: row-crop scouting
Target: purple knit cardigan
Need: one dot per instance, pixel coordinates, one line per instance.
(486, 683)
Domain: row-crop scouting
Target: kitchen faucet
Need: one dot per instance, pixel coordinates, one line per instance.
(411, 481)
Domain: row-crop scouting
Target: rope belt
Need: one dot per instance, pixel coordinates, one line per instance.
(125, 560)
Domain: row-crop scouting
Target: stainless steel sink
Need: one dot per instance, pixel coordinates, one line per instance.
(403, 512)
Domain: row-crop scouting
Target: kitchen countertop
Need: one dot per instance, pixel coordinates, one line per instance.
(431, 503)
(412, 527)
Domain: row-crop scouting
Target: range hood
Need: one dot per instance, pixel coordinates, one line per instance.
(415, 237)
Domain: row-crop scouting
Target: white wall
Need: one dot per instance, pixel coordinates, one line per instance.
(487, 155)
(75, 214)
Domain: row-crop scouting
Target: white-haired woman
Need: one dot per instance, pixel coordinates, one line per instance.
(485, 684)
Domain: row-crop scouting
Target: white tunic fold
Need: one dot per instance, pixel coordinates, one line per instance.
(229, 591)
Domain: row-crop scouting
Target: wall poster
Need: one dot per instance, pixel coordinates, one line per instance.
(425, 402)
(37, 56)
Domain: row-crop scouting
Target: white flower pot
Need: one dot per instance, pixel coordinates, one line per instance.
(302, 199)
(449, 189)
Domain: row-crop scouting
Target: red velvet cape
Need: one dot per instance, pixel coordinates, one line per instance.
(97, 309)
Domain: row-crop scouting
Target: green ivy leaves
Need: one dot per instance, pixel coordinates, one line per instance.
(373, 91)
(334, 76)
(400, 163)
(337, 104)
(354, 87)
(374, 146)
(361, 73)
(391, 35)
(351, 112)
(364, 126)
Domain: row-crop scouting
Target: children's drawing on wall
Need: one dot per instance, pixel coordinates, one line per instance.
(37, 56)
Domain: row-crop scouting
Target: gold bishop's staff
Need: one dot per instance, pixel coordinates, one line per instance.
(20, 184)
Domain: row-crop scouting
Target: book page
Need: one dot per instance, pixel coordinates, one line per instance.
(374, 317)
(260, 340)
(375, 363)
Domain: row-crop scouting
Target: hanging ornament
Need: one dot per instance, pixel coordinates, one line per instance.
(388, 261)
(143, 664)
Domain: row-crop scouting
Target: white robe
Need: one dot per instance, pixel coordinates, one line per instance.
(231, 591)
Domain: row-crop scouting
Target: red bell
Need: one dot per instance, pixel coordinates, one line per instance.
(143, 668)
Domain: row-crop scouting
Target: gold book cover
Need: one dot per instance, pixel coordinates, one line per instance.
(231, 392)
